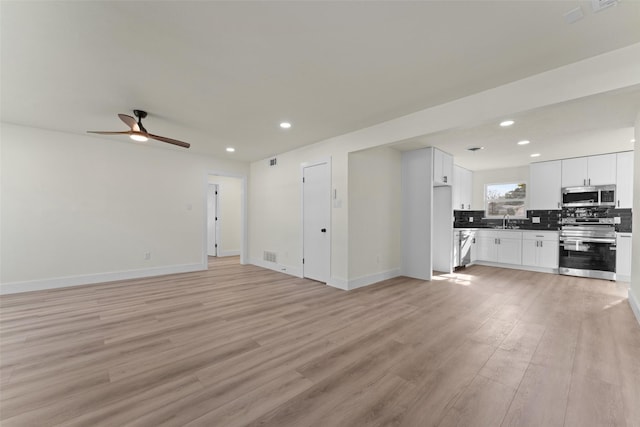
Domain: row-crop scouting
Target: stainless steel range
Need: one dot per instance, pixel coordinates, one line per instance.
(587, 243)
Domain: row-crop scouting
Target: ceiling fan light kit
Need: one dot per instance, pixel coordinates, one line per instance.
(137, 131)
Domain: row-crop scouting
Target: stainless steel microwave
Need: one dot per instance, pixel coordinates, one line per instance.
(599, 195)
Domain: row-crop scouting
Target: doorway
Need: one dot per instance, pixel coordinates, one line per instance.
(225, 217)
(316, 220)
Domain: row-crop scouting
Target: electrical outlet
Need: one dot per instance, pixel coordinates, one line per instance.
(147, 256)
(470, 219)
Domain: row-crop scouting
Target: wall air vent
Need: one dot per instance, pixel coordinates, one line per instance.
(273, 162)
(269, 256)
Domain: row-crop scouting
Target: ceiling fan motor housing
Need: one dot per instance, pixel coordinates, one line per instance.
(140, 114)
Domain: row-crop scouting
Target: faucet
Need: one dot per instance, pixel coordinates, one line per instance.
(505, 221)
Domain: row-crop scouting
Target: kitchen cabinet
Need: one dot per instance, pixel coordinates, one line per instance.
(591, 170)
(623, 257)
(499, 246)
(462, 188)
(545, 185)
(442, 168)
(624, 179)
(540, 249)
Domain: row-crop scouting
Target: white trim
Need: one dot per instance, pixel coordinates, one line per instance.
(516, 267)
(90, 279)
(228, 253)
(286, 269)
(372, 278)
(304, 165)
(338, 283)
(635, 304)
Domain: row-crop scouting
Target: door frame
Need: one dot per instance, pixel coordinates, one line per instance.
(244, 257)
(304, 165)
(216, 224)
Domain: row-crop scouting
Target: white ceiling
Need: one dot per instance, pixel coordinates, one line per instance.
(220, 74)
(592, 125)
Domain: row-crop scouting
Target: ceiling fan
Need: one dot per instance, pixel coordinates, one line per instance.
(138, 132)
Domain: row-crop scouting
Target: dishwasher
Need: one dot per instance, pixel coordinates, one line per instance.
(464, 240)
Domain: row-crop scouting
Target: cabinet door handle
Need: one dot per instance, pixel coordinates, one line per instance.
(469, 207)
(584, 181)
(444, 179)
(540, 243)
(558, 204)
(462, 206)
(589, 181)
(618, 203)
(473, 240)
(536, 243)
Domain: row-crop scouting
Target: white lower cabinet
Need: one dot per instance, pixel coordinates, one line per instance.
(540, 249)
(499, 246)
(623, 257)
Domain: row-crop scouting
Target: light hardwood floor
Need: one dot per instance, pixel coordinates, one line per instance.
(240, 345)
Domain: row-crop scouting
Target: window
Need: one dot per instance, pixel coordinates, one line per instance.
(505, 199)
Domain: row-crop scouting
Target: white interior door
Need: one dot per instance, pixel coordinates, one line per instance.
(212, 218)
(316, 218)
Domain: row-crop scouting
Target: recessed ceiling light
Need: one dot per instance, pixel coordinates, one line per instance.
(231, 149)
(506, 123)
(535, 155)
(523, 142)
(633, 140)
(285, 125)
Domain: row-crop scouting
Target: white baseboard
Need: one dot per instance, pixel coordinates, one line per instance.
(228, 253)
(338, 283)
(635, 304)
(287, 269)
(90, 279)
(516, 267)
(372, 278)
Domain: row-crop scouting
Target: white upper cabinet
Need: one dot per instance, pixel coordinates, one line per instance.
(442, 168)
(592, 170)
(624, 181)
(462, 188)
(545, 185)
(602, 169)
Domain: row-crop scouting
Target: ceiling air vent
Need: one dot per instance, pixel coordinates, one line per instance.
(273, 162)
(474, 149)
(598, 5)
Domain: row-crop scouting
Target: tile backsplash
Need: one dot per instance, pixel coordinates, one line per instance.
(468, 219)
(625, 219)
(546, 220)
(536, 220)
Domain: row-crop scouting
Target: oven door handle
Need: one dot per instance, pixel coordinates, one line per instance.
(574, 240)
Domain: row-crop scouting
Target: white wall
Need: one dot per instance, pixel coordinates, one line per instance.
(81, 209)
(494, 176)
(229, 214)
(634, 290)
(274, 192)
(375, 201)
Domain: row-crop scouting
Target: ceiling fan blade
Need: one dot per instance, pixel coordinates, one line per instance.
(130, 121)
(169, 140)
(124, 132)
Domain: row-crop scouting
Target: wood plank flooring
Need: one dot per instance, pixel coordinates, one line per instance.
(244, 346)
